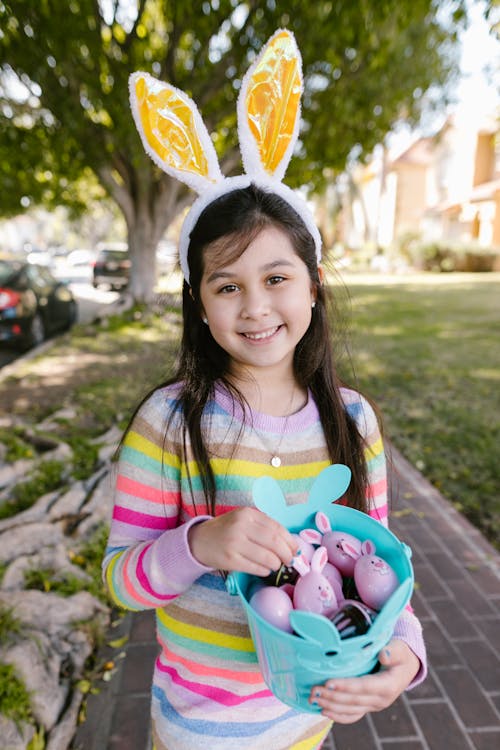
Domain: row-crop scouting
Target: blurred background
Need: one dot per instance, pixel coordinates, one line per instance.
(399, 151)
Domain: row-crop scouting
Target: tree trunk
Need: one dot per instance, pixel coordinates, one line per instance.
(142, 249)
(147, 214)
(149, 203)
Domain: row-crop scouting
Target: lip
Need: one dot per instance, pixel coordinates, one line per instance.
(260, 336)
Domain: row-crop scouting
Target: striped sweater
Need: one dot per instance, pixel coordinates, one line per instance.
(207, 689)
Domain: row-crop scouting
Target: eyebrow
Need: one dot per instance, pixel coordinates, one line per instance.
(266, 267)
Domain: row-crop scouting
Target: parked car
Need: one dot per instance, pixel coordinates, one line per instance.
(112, 266)
(76, 267)
(33, 304)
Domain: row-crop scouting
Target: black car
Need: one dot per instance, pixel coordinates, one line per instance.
(112, 266)
(33, 304)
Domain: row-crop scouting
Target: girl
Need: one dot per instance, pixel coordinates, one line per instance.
(255, 392)
(255, 383)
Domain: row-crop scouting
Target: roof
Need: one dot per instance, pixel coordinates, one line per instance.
(420, 153)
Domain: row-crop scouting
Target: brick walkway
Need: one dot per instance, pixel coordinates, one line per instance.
(457, 598)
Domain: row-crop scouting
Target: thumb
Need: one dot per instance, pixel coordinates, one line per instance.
(385, 656)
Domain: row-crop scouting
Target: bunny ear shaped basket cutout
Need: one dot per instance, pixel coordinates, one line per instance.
(269, 108)
(175, 137)
(328, 486)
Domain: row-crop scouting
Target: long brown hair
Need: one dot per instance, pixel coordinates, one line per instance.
(240, 215)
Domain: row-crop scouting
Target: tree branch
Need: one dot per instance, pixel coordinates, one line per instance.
(131, 35)
(218, 71)
(167, 72)
(120, 194)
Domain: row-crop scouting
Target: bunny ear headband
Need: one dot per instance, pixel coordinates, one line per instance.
(175, 137)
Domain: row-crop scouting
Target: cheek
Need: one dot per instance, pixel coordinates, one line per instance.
(221, 322)
(300, 310)
(213, 308)
(219, 316)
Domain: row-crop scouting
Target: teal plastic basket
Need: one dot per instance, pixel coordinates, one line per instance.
(292, 663)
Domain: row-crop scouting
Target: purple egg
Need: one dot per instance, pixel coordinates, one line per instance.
(334, 578)
(274, 605)
(333, 541)
(375, 580)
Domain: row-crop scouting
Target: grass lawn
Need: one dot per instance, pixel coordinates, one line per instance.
(427, 349)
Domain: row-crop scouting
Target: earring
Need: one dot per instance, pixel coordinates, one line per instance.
(205, 320)
(313, 304)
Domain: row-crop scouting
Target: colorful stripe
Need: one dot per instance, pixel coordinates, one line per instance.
(145, 520)
(202, 635)
(206, 728)
(195, 667)
(146, 492)
(144, 581)
(224, 697)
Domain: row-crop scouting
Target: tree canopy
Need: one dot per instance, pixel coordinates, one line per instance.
(64, 112)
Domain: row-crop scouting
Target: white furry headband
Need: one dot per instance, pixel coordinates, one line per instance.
(175, 137)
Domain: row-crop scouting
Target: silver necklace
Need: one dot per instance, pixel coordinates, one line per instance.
(275, 460)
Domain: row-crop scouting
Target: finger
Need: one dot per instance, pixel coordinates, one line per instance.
(246, 565)
(349, 696)
(324, 696)
(258, 561)
(346, 712)
(275, 538)
(342, 718)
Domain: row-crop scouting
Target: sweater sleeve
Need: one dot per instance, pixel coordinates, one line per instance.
(409, 630)
(366, 421)
(408, 627)
(148, 561)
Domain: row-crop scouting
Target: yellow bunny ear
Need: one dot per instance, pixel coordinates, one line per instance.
(172, 132)
(269, 108)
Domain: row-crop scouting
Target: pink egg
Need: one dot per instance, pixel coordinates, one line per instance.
(334, 578)
(288, 588)
(375, 580)
(254, 586)
(274, 605)
(333, 540)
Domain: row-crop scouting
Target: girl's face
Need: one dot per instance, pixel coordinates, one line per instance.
(259, 306)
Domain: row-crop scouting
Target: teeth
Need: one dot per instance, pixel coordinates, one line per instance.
(258, 336)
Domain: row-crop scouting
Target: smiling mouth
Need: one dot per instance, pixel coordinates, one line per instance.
(261, 335)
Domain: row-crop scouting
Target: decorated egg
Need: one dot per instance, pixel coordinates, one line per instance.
(274, 605)
(375, 580)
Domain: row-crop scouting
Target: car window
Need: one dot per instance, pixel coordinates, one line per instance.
(117, 255)
(7, 271)
(39, 276)
(46, 275)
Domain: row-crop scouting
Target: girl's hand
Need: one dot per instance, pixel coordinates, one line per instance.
(244, 540)
(347, 700)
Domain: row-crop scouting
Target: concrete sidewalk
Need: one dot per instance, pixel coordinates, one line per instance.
(457, 598)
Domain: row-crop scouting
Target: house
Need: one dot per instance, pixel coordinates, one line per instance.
(442, 188)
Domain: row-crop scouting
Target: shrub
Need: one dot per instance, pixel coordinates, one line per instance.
(14, 698)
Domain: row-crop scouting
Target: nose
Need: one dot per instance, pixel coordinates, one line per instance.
(255, 304)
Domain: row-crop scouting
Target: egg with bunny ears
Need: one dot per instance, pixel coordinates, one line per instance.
(333, 542)
(313, 592)
(375, 579)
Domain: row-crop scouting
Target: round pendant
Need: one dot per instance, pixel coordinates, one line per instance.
(276, 461)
